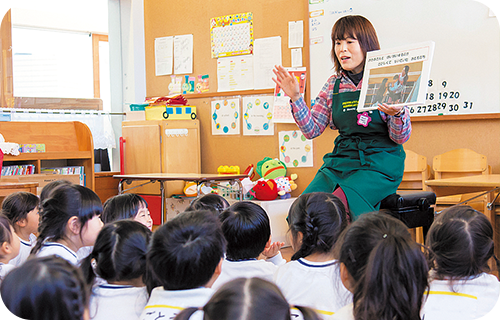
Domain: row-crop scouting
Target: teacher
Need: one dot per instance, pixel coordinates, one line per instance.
(367, 162)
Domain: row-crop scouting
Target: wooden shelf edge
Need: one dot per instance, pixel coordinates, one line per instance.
(484, 116)
(228, 93)
(49, 156)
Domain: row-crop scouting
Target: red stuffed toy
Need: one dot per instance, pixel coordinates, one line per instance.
(265, 190)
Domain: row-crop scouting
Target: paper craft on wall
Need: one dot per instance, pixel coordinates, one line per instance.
(295, 149)
(281, 111)
(226, 116)
(232, 35)
(257, 116)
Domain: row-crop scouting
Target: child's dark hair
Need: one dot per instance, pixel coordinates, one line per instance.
(212, 202)
(47, 288)
(47, 189)
(119, 252)
(247, 230)
(17, 205)
(320, 217)
(245, 299)
(185, 251)
(65, 201)
(388, 269)
(5, 230)
(356, 27)
(460, 243)
(123, 206)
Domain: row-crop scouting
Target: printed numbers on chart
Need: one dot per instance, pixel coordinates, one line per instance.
(441, 107)
(430, 83)
(443, 95)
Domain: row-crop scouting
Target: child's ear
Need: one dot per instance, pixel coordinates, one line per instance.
(218, 269)
(21, 223)
(345, 277)
(6, 248)
(268, 244)
(74, 225)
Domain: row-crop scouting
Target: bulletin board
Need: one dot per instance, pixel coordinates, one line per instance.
(270, 19)
(463, 82)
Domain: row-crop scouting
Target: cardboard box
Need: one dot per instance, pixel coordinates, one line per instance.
(42, 179)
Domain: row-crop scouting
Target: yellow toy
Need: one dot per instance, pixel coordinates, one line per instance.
(228, 170)
(191, 189)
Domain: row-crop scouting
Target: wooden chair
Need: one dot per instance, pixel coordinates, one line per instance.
(460, 163)
(416, 172)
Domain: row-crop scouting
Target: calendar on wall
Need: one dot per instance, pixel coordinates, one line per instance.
(232, 35)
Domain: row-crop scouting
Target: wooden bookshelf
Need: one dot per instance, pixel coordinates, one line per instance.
(70, 143)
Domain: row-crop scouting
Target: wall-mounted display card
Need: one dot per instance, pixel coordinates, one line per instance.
(183, 54)
(164, 57)
(226, 116)
(235, 73)
(232, 35)
(295, 149)
(282, 111)
(295, 34)
(257, 115)
(266, 55)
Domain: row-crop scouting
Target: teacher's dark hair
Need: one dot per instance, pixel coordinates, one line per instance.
(356, 27)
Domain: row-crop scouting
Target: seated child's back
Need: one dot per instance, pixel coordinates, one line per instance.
(119, 258)
(312, 278)
(461, 243)
(184, 260)
(247, 231)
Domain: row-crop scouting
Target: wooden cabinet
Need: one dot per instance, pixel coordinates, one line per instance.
(66, 144)
(163, 146)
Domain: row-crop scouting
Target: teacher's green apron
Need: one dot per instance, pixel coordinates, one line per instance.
(365, 162)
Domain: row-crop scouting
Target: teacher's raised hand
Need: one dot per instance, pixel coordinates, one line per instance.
(287, 82)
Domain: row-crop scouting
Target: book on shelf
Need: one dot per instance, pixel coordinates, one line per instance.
(14, 170)
(80, 170)
(397, 76)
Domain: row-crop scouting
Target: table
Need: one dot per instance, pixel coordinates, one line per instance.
(7, 188)
(199, 178)
(475, 183)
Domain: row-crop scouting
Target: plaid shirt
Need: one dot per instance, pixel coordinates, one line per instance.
(312, 122)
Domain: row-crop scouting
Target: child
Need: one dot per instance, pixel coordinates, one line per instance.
(47, 288)
(69, 221)
(185, 258)
(246, 299)
(127, 206)
(247, 231)
(119, 257)
(9, 246)
(461, 243)
(384, 269)
(312, 278)
(22, 210)
(212, 202)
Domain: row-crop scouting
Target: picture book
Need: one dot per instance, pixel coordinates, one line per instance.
(396, 76)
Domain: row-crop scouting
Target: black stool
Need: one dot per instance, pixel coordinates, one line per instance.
(413, 209)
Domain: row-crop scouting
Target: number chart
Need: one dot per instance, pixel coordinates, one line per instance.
(232, 35)
(441, 100)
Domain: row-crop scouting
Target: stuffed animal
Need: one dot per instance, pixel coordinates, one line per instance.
(286, 185)
(275, 169)
(271, 168)
(265, 190)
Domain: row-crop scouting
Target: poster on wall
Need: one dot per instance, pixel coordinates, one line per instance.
(232, 35)
(281, 111)
(225, 116)
(257, 115)
(295, 150)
